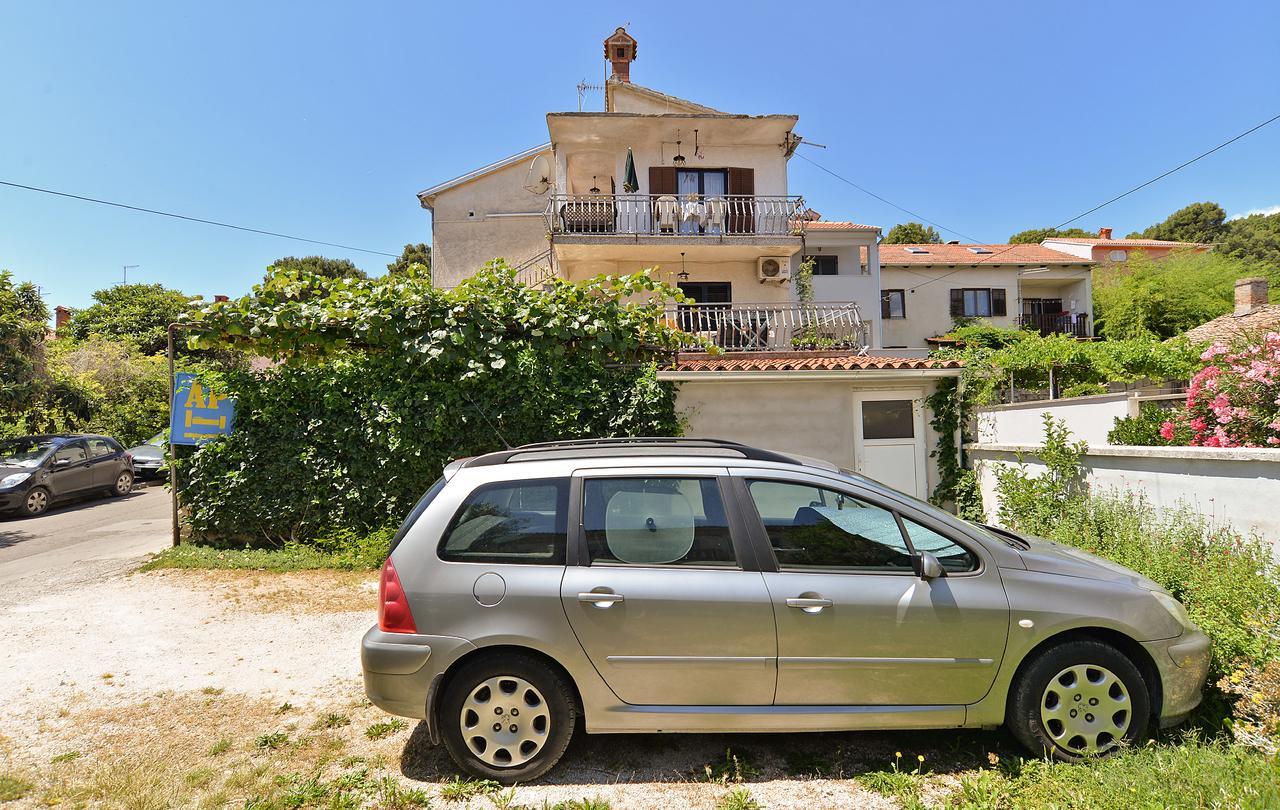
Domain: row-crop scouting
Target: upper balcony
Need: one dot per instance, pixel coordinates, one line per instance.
(693, 216)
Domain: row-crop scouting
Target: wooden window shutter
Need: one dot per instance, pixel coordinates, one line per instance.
(742, 212)
(997, 302)
(662, 179)
(957, 303)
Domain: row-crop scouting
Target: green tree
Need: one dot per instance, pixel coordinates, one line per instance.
(414, 260)
(1255, 238)
(126, 391)
(1035, 236)
(1198, 222)
(137, 314)
(319, 266)
(24, 322)
(1166, 297)
(912, 233)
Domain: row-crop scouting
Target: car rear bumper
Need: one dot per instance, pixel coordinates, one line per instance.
(1183, 663)
(399, 667)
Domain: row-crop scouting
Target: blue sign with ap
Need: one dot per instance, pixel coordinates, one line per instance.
(198, 415)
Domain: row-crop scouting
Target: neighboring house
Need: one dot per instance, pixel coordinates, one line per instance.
(1105, 250)
(925, 288)
(1252, 315)
(703, 195)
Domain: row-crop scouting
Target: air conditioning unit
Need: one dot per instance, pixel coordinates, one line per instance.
(776, 269)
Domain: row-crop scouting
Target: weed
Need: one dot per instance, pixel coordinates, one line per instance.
(284, 708)
(271, 742)
(221, 746)
(12, 788)
(807, 763)
(738, 799)
(385, 728)
(199, 777)
(394, 796)
(332, 720)
(734, 768)
(595, 803)
(211, 690)
(896, 782)
(462, 790)
(67, 757)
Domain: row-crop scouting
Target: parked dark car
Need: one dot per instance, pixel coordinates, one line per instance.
(148, 457)
(35, 471)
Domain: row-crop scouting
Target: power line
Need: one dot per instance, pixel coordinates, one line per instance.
(195, 219)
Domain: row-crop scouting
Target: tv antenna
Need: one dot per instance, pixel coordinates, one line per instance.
(124, 272)
(583, 87)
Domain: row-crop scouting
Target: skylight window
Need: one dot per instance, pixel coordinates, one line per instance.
(916, 250)
(979, 250)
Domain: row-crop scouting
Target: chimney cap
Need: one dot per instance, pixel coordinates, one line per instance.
(1104, 233)
(620, 52)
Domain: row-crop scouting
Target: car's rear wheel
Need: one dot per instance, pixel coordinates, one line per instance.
(123, 484)
(1079, 699)
(36, 502)
(508, 718)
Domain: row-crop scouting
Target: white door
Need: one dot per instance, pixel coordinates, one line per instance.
(889, 439)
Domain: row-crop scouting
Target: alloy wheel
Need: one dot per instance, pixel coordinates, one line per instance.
(1086, 709)
(505, 721)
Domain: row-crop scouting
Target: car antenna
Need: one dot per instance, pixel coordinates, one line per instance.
(506, 445)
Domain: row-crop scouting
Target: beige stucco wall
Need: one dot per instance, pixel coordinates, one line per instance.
(625, 98)
(746, 287)
(813, 418)
(858, 281)
(467, 229)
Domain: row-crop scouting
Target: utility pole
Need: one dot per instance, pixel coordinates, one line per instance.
(125, 268)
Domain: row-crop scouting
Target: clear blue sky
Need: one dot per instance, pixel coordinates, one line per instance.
(322, 119)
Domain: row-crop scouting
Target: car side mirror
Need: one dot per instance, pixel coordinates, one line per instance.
(926, 566)
(61, 462)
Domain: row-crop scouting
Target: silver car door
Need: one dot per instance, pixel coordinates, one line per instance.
(856, 626)
(665, 600)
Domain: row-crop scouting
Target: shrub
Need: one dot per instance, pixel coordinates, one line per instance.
(1234, 401)
(1144, 429)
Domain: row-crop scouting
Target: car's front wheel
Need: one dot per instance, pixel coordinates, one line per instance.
(36, 502)
(1079, 699)
(508, 718)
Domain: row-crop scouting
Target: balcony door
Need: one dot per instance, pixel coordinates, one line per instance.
(710, 306)
(703, 184)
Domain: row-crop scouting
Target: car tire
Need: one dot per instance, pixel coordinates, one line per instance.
(123, 485)
(1077, 700)
(507, 718)
(35, 503)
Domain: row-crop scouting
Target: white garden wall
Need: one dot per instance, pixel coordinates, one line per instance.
(1239, 486)
(1088, 418)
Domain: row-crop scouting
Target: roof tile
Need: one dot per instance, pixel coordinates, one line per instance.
(805, 361)
(897, 255)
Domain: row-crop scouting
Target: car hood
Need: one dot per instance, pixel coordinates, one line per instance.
(1048, 557)
(146, 451)
(7, 470)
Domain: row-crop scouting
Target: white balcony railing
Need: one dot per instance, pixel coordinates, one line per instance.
(789, 326)
(670, 215)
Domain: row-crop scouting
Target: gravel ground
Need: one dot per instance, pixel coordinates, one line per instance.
(144, 672)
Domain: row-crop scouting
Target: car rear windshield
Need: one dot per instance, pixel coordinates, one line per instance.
(24, 452)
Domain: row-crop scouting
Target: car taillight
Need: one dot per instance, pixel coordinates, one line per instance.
(394, 615)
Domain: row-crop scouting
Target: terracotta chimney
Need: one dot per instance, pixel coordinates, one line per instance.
(218, 298)
(61, 317)
(1104, 233)
(1251, 295)
(620, 51)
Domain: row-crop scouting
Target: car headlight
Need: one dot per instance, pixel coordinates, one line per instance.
(13, 480)
(1175, 608)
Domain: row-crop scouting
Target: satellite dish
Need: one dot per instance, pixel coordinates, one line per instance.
(539, 178)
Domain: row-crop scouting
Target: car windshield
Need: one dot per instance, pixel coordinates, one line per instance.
(24, 452)
(156, 440)
(999, 535)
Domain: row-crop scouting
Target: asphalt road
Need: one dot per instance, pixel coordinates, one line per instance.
(79, 531)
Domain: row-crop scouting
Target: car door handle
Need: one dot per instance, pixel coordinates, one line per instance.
(809, 604)
(601, 600)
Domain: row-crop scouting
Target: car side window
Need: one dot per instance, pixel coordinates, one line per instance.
(71, 452)
(813, 528)
(954, 557)
(656, 522)
(100, 447)
(513, 522)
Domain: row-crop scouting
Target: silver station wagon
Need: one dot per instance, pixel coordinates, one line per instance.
(697, 585)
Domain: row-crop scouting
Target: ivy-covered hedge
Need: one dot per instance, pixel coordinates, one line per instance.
(383, 382)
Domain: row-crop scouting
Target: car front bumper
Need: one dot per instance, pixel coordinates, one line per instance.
(399, 668)
(12, 498)
(1183, 663)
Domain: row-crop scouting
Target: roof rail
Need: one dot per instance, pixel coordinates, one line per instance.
(656, 442)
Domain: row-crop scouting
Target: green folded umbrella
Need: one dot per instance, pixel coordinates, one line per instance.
(630, 183)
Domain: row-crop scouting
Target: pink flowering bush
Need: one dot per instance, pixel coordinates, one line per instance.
(1234, 401)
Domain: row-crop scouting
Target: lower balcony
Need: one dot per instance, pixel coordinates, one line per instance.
(1056, 323)
(781, 327)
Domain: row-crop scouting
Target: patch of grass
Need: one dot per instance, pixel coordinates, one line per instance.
(595, 803)
(12, 788)
(69, 756)
(1193, 774)
(738, 799)
(897, 782)
(289, 558)
(211, 690)
(200, 777)
(284, 708)
(392, 795)
(463, 790)
(271, 742)
(221, 746)
(735, 767)
(332, 720)
(385, 728)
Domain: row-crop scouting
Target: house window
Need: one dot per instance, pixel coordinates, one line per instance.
(977, 303)
(893, 304)
(824, 265)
